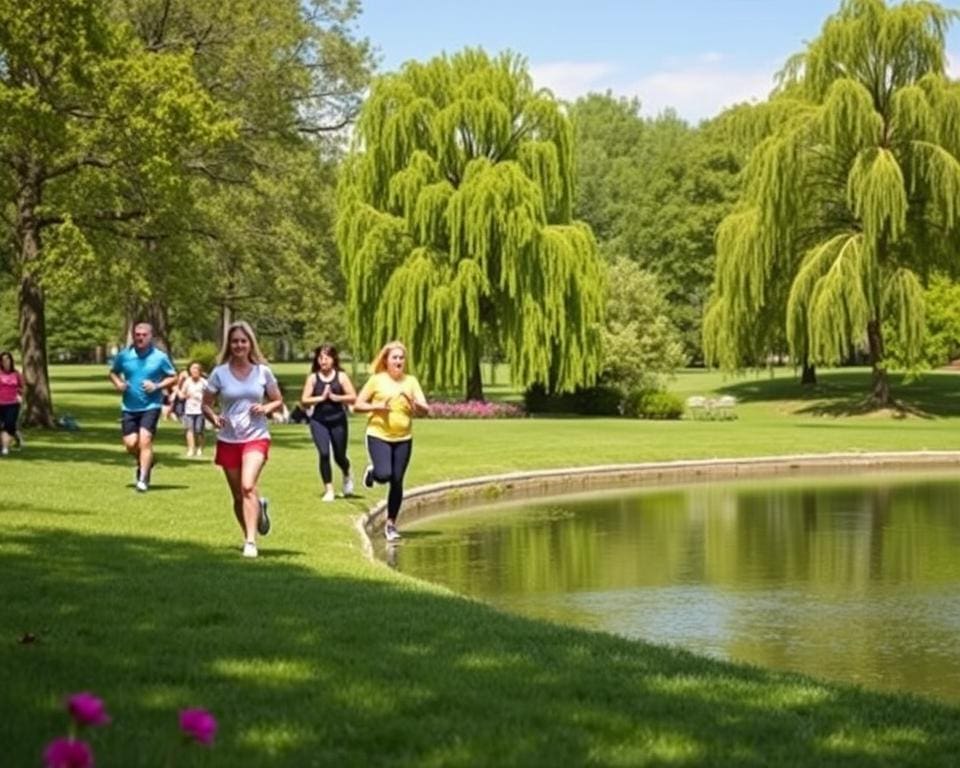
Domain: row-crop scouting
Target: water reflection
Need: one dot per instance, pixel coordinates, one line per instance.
(854, 579)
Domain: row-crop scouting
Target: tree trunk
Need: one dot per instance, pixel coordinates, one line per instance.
(880, 393)
(38, 404)
(808, 377)
(475, 381)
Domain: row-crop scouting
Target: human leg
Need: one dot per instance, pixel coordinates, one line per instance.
(253, 461)
(189, 435)
(338, 441)
(381, 459)
(233, 476)
(401, 452)
(322, 439)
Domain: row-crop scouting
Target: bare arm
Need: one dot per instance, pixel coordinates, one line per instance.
(274, 401)
(362, 404)
(349, 395)
(209, 398)
(118, 383)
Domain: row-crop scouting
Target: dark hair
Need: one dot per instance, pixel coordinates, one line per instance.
(330, 351)
(6, 355)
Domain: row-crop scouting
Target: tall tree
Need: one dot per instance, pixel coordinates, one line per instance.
(93, 129)
(854, 197)
(654, 190)
(455, 226)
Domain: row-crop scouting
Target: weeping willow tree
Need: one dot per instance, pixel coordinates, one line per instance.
(455, 228)
(852, 200)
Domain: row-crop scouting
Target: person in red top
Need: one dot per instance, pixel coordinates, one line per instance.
(11, 394)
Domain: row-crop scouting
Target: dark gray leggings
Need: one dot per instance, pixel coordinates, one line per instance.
(390, 460)
(327, 436)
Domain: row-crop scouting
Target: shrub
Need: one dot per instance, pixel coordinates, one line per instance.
(205, 353)
(601, 400)
(474, 409)
(652, 404)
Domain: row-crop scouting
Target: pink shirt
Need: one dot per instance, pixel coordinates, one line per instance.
(11, 385)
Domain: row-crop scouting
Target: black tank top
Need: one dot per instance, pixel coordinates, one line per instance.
(328, 410)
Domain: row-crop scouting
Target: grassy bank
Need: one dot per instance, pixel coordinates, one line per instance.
(311, 655)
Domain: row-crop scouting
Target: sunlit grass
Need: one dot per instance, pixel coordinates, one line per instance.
(311, 655)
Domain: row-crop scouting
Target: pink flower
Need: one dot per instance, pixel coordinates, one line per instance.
(66, 753)
(198, 724)
(87, 709)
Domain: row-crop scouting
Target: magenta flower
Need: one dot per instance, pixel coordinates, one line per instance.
(66, 753)
(87, 709)
(198, 724)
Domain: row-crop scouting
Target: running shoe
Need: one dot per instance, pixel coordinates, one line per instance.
(263, 521)
(348, 486)
(391, 533)
(329, 496)
(142, 486)
(249, 549)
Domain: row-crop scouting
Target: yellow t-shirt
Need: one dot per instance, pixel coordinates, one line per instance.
(395, 425)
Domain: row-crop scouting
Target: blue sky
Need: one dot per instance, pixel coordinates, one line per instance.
(697, 56)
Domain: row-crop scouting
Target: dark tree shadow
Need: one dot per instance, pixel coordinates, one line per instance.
(309, 670)
(846, 393)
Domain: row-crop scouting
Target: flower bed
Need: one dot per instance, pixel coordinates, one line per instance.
(474, 409)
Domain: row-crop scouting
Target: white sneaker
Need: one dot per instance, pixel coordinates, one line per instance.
(4, 451)
(329, 496)
(249, 549)
(348, 486)
(142, 486)
(391, 533)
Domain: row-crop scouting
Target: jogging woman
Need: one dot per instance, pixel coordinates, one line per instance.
(392, 397)
(248, 394)
(329, 390)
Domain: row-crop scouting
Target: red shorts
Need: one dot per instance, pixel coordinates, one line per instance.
(230, 455)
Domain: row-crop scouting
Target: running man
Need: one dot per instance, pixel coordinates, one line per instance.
(141, 373)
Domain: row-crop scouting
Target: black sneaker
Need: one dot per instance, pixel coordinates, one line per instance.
(263, 522)
(368, 476)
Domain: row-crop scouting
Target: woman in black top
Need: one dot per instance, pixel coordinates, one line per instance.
(328, 390)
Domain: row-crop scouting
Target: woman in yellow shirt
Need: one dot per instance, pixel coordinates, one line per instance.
(392, 398)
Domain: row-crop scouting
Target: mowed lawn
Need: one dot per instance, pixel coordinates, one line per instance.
(312, 656)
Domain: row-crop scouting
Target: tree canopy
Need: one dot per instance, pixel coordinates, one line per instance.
(852, 199)
(141, 139)
(455, 226)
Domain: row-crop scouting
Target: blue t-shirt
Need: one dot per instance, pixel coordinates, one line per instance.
(153, 365)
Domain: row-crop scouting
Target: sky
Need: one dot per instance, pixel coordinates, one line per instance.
(695, 56)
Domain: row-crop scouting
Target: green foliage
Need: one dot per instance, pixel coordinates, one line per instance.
(205, 353)
(852, 197)
(654, 190)
(652, 404)
(941, 344)
(454, 225)
(640, 344)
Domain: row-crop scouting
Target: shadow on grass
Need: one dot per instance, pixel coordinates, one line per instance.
(309, 670)
(846, 393)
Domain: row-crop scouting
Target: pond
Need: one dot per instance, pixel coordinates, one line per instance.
(853, 579)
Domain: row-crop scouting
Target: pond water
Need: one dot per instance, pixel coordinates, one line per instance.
(854, 579)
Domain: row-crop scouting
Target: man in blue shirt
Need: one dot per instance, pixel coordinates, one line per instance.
(141, 373)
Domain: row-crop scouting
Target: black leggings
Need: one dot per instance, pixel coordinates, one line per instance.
(390, 460)
(325, 436)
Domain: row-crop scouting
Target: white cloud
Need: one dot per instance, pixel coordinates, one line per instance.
(953, 64)
(571, 79)
(696, 88)
(699, 91)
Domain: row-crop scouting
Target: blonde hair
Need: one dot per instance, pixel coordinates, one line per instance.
(255, 355)
(379, 364)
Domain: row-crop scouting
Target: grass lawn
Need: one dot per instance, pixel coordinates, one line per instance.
(313, 656)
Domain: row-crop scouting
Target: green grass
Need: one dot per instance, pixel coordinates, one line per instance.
(311, 655)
